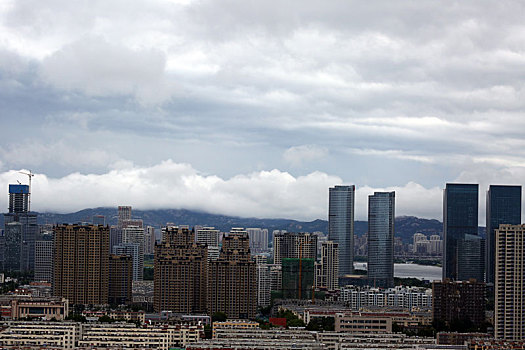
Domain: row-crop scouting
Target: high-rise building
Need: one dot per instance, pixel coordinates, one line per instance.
(329, 267)
(509, 311)
(294, 245)
(149, 240)
(181, 272)
(233, 278)
(12, 246)
(297, 278)
(137, 259)
(208, 236)
(18, 199)
(258, 240)
(460, 217)
(452, 301)
(134, 234)
(265, 283)
(124, 213)
(436, 245)
(471, 258)
(81, 263)
(120, 279)
(381, 216)
(44, 258)
(341, 225)
(99, 220)
(20, 248)
(503, 207)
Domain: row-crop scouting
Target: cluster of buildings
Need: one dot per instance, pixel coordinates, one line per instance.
(201, 271)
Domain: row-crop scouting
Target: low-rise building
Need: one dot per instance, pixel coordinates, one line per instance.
(234, 324)
(47, 309)
(121, 315)
(356, 322)
(129, 336)
(35, 335)
(256, 339)
(339, 341)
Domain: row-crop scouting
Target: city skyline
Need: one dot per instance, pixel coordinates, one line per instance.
(260, 101)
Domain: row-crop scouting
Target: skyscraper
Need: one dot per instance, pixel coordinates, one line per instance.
(81, 263)
(509, 311)
(44, 258)
(460, 217)
(503, 207)
(18, 199)
(20, 248)
(341, 225)
(181, 272)
(381, 216)
(232, 286)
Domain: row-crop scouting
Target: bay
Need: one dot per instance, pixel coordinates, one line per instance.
(422, 272)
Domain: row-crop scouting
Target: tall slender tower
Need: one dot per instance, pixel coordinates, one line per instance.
(381, 216)
(19, 251)
(341, 225)
(460, 218)
(503, 207)
(329, 265)
(509, 298)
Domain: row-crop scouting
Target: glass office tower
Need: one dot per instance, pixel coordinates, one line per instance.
(460, 218)
(381, 216)
(341, 225)
(503, 207)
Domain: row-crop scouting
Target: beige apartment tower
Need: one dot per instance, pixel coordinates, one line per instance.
(509, 283)
(180, 277)
(233, 279)
(329, 277)
(81, 263)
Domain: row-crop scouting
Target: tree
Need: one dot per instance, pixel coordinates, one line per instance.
(105, 319)
(219, 317)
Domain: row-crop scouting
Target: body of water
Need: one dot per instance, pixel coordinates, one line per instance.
(422, 272)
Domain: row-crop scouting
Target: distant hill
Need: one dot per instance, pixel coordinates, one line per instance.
(405, 226)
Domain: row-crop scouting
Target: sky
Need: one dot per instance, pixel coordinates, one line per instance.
(255, 108)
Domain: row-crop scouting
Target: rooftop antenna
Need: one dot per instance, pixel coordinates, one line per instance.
(30, 175)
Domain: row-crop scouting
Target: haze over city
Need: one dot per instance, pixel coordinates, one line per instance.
(256, 108)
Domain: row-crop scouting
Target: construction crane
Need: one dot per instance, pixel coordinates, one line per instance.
(30, 175)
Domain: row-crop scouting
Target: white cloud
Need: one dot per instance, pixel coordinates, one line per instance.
(263, 194)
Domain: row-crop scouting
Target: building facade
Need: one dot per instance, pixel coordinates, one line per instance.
(81, 263)
(503, 207)
(460, 217)
(381, 216)
(509, 298)
(329, 267)
(181, 272)
(458, 300)
(341, 225)
(232, 286)
(120, 279)
(291, 245)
